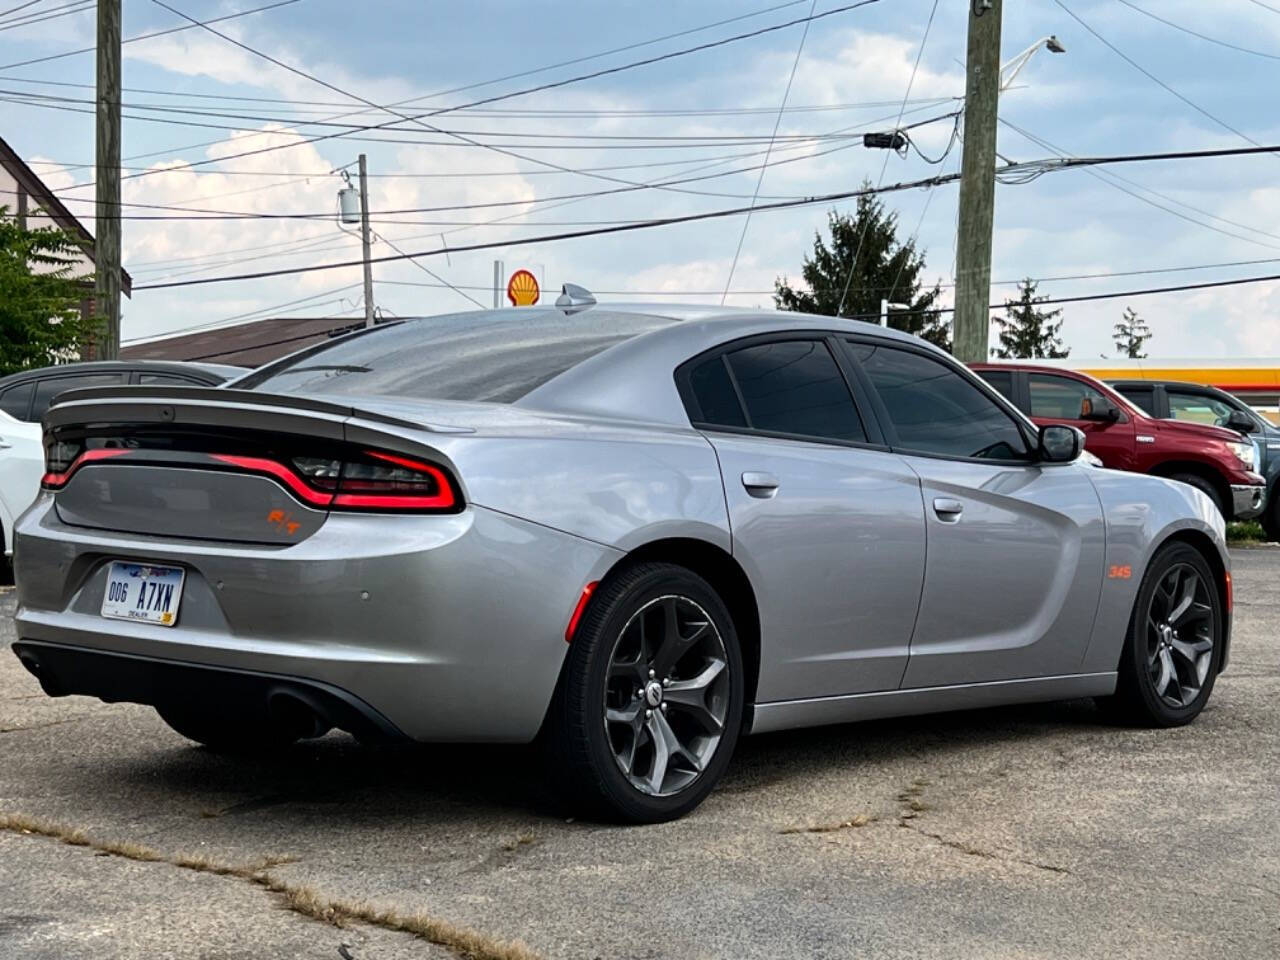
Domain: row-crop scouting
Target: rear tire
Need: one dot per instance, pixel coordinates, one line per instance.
(623, 744)
(1173, 648)
(1206, 487)
(223, 734)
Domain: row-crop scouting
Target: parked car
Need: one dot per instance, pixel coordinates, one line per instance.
(21, 466)
(1175, 400)
(634, 533)
(26, 395)
(1213, 459)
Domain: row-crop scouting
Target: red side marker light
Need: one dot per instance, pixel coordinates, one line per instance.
(587, 591)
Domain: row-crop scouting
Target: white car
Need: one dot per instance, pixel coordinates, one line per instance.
(21, 467)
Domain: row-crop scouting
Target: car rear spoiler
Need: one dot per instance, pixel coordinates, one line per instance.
(162, 403)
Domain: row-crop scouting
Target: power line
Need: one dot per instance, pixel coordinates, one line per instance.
(80, 6)
(493, 99)
(21, 6)
(1153, 78)
(147, 36)
(512, 112)
(569, 235)
(755, 195)
(483, 83)
(709, 215)
(1196, 33)
(853, 264)
(204, 213)
(250, 313)
(1116, 181)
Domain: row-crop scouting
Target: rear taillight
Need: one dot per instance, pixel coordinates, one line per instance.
(369, 480)
(349, 479)
(64, 459)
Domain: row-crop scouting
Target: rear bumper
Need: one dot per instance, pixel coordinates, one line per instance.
(449, 627)
(1247, 500)
(313, 707)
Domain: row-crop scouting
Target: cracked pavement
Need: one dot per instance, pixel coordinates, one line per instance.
(1020, 832)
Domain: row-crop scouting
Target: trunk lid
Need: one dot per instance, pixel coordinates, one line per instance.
(231, 465)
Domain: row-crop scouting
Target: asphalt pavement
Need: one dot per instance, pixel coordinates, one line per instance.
(1021, 832)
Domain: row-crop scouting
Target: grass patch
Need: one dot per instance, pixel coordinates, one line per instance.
(301, 899)
(1246, 531)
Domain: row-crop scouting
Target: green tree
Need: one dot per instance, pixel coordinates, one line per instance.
(1026, 332)
(1130, 334)
(884, 269)
(40, 294)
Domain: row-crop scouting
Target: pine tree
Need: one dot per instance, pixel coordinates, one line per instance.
(1027, 333)
(1130, 334)
(885, 269)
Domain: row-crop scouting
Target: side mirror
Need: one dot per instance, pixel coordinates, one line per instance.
(1241, 421)
(1100, 410)
(1060, 443)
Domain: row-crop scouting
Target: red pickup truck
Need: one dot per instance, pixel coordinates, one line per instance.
(1216, 460)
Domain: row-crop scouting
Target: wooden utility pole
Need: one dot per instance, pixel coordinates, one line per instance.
(107, 182)
(365, 244)
(977, 183)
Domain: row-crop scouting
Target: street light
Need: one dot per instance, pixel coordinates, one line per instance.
(1014, 66)
(886, 306)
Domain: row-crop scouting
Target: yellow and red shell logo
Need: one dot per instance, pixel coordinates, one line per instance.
(522, 289)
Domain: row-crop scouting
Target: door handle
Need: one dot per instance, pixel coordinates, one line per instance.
(759, 484)
(948, 510)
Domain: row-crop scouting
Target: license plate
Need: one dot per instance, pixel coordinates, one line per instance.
(139, 591)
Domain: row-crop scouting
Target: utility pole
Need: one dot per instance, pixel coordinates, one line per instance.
(106, 253)
(499, 272)
(977, 183)
(365, 243)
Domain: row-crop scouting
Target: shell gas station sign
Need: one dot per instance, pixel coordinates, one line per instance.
(522, 289)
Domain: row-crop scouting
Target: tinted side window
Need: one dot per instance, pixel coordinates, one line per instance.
(935, 410)
(48, 388)
(795, 387)
(1001, 380)
(1141, 397)
(17, 399)
(1059, 398)
(170, 378)
(1198, 408)
(713, 390)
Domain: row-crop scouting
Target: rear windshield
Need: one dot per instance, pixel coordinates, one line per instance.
(493, 357)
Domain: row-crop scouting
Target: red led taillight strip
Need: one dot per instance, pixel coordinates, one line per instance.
(277, 471)
(443, 499)
(56, 481)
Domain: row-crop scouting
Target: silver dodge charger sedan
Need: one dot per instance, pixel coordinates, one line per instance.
(632, 534)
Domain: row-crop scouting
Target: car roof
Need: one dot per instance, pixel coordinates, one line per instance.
(618, 382)
(209, 370)
(1179, 384)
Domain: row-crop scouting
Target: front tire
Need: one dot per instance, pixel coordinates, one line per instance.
(650, 700)
(1173, 649)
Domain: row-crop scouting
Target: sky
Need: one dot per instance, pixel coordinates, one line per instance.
(194, 101)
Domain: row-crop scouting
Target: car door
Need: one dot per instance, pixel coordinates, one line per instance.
(1014, 546)
(827, 523)
(1058, 399)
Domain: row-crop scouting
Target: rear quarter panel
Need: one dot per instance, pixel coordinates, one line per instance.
(1142, 513)
(617, 485)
